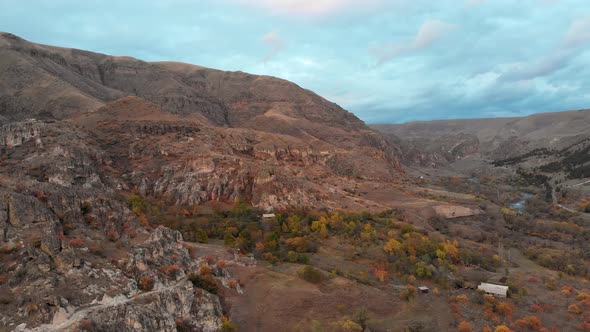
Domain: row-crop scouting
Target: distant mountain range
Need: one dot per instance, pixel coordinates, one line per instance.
(549, 142)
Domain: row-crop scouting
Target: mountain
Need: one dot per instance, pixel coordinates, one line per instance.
(87, 140)
(51, 82)
(139, 196)
(258, 120)
(441, 142)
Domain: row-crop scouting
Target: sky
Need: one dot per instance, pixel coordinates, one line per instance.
(387, 61)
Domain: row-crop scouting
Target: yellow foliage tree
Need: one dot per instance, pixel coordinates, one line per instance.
(393, 247)
(368, 233)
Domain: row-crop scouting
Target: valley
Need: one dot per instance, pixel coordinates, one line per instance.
(144, 196)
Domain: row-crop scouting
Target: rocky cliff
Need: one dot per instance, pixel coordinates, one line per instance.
(497, 139)
(80, 133)
(181, 131)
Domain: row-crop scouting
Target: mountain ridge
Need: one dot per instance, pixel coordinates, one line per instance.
(88, 80)
(495, 138)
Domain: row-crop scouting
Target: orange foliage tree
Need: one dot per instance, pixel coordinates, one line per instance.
(502, 328)
(465, 327)
(381, 272)
(529, 323)
(505, 309)
(575, 309)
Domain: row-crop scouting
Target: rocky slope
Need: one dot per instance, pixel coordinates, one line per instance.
(80, 132)
(50, 82)
(534, 149)
(189, 133)
(60, 218)
(499, 138)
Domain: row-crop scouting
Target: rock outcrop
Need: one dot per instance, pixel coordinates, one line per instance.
(173, 301)
(81, 133)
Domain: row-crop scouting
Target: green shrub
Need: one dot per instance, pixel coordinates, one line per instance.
(227, 325)
(204, 281)
(311, 274)
(229, 240)
(201, 236)
(137, 204)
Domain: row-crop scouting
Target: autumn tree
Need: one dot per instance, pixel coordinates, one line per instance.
(465, 327)
(529, 323)
(381, 271)
(575, 309)
(505, 309)
(408, 293)
(393, 247)
(502, 328)
(567, 291)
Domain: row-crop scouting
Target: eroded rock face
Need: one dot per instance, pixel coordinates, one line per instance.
(189, 135)
(58, 206)
(16, 134)
(173, 301)
(160, 310)
(439, 151)
(42, 269)
(163, 249)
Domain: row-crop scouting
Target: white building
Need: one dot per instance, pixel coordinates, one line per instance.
(268, 215)
(493, 289)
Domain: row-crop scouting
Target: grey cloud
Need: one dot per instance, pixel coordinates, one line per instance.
(427, 34)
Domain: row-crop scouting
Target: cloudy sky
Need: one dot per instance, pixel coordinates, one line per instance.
(385, 60)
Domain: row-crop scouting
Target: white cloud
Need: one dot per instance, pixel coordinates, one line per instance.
(540, 68)
(578, 33)
(274, 40)
(427, 34)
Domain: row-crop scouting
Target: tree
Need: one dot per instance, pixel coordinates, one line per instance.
(567, 291)
(381, 272)
(575, 309)
(229, 240)
(465, 327)
(320, 227)
(298, 244)
(147, 282)
(227, 325)
(409, 293)
(529, 323)
(201, 236)
(346, 325)
(505, 309)
(311, 274)
(423, 271)
(393, 247)
(368, 233)
(502, 328)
